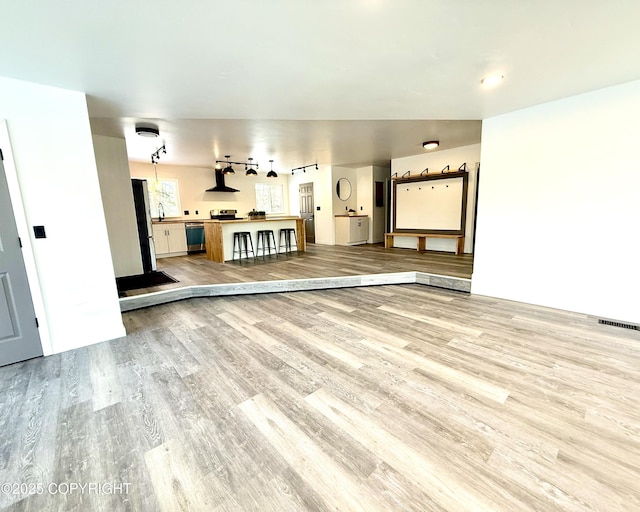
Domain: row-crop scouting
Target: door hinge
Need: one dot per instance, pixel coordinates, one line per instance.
(1, 155)
(37, 324)
(20, 242)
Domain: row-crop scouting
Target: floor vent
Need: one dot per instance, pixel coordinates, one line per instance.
(619, 324)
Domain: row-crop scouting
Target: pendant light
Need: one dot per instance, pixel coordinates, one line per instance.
(250, 171)
(272, 173)
(228, 169)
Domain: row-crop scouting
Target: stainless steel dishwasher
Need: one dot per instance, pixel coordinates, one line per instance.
(195, 237)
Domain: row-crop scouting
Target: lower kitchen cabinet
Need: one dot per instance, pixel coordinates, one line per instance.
(170, 239)
(352, 230)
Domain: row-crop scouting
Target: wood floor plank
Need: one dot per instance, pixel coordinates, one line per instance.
(443, 488)
(105, 384)
(312, 464)
(175, 484)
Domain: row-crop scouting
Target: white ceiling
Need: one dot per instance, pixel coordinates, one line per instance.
(342, 82)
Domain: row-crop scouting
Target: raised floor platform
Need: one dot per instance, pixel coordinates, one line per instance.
(293, 285)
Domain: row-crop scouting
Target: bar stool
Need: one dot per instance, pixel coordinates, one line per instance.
(240, 239)
(268, 240)
(286, 233)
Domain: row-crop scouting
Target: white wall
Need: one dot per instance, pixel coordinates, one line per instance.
(194, 181)
(378, 224)
(117, 198)
(436, 161)
(56, 171)
(322, 197)
(559, 209)
(364, 193)
(366, 178)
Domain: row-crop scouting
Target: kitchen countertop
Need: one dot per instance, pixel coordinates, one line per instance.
(175, 220)
(268, 219)
(239, 219)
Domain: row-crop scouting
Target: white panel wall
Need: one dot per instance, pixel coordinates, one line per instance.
(559, 209)
(57, 176)
(436, 161)
(119, 210)
(194, 181)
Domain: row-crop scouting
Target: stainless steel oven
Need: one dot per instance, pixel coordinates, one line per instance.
(195, 237)
(223, 214)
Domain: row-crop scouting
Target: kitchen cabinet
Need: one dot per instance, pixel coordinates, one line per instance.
(352, 230)
(169, 239)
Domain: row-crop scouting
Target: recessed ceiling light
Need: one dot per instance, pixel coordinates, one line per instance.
(147, 131)
(432, 144)
(490, 81)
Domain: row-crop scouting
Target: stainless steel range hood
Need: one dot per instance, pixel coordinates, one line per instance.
(220, 185)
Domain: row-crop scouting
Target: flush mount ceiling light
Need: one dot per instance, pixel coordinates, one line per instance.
(250, 171)
(492, 80)
(272, 173)
(147, 131)
(432, 144)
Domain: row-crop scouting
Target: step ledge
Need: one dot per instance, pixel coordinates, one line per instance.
(293, 285)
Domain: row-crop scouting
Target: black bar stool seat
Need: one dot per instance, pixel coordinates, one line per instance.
(286, 234)
(266, 242)
(242, 241)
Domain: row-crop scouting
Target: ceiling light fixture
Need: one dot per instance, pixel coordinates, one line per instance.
(304, 168)
(250, 171)
(492, 80)
(147, 131)
(228, 169)
(155, 156)
(248, 166)
(272, 173)
(429, 145)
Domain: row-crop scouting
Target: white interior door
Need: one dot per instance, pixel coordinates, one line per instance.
(19, 337)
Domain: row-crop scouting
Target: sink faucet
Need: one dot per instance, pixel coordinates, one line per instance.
(160, 212)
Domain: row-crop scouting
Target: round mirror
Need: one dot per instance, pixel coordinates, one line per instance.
(343, 189)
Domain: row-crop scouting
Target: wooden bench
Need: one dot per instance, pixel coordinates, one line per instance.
(422, 240)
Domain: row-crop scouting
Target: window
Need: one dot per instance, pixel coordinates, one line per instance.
(165, 192)
(269, 198)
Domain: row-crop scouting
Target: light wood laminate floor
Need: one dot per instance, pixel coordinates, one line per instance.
(317, 261)
(386, 398)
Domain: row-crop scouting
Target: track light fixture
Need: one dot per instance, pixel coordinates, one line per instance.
(155, 156)
(272, 173)
(304, 168)
(248, 166)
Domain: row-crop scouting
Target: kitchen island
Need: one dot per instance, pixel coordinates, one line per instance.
(218, 234)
